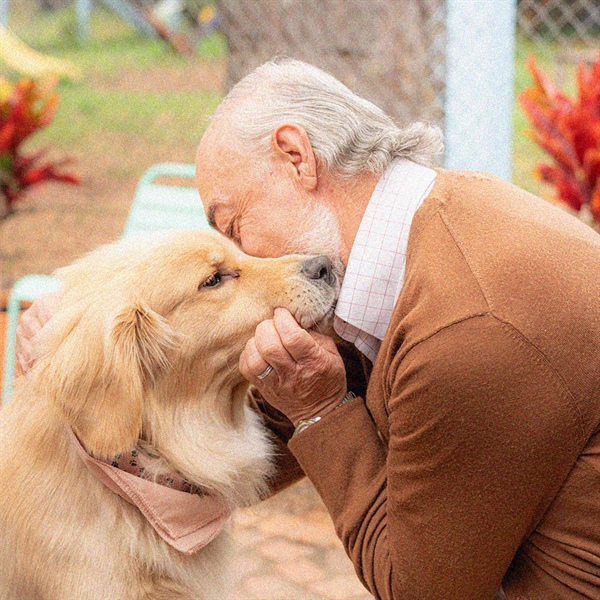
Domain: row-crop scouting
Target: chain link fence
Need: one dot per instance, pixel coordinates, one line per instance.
(389, 52)
(435, 28)
(561, 33)
(563, 21)
(355, 39)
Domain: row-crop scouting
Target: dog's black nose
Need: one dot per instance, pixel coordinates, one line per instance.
(319, 268)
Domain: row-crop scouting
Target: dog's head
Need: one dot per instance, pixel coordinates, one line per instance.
(171, 309)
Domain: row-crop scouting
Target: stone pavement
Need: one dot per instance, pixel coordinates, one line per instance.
(289, 551)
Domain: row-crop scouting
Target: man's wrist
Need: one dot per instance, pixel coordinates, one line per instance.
(349, 396)
(303, 424)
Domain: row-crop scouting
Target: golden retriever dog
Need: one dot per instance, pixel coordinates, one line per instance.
(142, 361)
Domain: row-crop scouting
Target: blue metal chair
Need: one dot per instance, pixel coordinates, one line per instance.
(155, 207)
(161, 206)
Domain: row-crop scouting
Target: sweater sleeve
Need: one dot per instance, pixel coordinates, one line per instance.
(287, 469)
(481, 435)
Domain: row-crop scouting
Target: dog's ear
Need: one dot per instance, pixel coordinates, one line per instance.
(99, 370)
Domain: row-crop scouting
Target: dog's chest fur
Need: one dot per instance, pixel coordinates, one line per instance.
(64, 535)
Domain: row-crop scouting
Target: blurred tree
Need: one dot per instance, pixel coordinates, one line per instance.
(389, 51)
(53, 4)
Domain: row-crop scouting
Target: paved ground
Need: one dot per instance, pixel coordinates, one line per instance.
(290, 551)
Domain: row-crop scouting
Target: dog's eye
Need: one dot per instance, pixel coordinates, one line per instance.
(212, 281)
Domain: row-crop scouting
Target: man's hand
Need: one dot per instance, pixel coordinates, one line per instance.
(31, 321)
(308, 378)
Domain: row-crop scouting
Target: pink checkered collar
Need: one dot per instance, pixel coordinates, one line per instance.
(181, 515)
(375, 271)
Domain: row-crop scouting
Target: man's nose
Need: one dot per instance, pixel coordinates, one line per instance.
(319, 268)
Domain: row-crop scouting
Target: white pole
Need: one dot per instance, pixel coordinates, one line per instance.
(83, 8)
(4, 13)
(479, 92)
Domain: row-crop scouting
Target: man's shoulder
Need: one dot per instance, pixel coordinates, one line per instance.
(525, 256)
(487, 203)
(491, 248)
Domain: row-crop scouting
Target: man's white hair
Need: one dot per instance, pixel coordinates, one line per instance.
(349, 134)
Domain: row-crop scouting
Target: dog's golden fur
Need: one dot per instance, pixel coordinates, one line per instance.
(139, 349)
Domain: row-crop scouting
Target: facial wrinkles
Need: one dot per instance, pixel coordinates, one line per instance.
(257, 235)
(226, 206)
(222, 184)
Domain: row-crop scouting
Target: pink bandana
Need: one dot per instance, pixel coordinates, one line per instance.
(183, 518)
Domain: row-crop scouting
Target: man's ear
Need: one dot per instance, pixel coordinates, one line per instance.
(99, 371)
(291, 144)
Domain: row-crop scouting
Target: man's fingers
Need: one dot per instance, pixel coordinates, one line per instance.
(40, 312)
(29, 323)
(27, 327)
(297, 341)
(323, 340)
(271, 348)
(243, 366)
(252, 365)
(283, 345)
(25, 363)
(254, 362)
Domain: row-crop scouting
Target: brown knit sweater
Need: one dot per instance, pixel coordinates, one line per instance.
(474, 459)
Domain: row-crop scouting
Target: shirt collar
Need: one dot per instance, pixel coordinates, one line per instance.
(375, 272)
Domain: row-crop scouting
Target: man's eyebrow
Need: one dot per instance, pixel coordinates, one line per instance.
(210, 216)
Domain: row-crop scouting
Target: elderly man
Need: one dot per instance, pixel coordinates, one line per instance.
(453, 434)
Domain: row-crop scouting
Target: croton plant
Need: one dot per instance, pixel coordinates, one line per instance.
(569, 131)
(25, 107)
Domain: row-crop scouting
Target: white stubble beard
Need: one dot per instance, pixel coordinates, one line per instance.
(318, 232)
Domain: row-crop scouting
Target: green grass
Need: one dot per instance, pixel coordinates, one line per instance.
(92, 106)
(168, 117)
(112, 45)
(525, 152)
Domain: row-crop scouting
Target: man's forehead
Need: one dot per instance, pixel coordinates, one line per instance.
(217, 143)
(210, 159)
(213, 181)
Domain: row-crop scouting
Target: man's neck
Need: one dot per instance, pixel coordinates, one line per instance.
(349, 199)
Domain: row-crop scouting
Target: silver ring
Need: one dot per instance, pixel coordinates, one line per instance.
(265, 373)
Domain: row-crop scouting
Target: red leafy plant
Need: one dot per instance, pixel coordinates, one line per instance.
(569, 131)
(25, 107)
